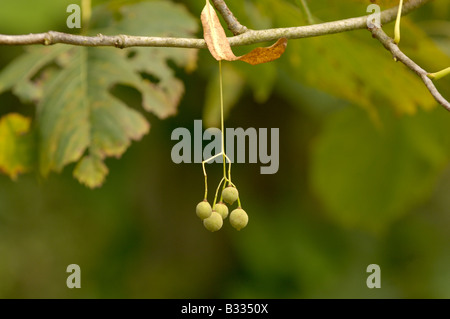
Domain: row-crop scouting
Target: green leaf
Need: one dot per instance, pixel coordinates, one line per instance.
(353, 66)
(78, 113)
(367, 177)
(163, 93)
(18, 74)
(16, 145)
(78, 120)
(358, 73)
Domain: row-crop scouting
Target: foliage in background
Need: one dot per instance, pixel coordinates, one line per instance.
(364, 169)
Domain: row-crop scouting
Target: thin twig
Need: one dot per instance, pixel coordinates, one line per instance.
(118, 41)
(249, 37)
(390, 45)
(233, 24)
(309, 16)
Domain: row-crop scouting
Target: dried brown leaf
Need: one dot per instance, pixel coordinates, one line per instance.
(263, 55)
(214, 35)
(220, 48)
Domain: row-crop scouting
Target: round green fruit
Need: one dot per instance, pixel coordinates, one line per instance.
(230, 194)
(203, 209)
(238, 218)
(222, 209)
(214, 222)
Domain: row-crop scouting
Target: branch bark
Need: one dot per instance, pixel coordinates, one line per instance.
(246, 38)
(398, 55)
(118, 41)
(233, 24)
(243, 36)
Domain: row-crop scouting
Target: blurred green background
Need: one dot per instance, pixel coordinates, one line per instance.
(364, 175)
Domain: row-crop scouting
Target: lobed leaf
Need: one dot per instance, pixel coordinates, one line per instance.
(78, 119)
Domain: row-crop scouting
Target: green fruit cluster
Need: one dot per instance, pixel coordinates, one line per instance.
(214, 216)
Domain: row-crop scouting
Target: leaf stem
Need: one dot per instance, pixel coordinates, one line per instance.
(223, 180)
(397, 23)
(229, 168)
(222, 120)
(439, 75)
(204, 172)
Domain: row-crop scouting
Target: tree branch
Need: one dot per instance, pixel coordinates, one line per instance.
(249, 37)
(243, 36)
(233, 24)
(315, 30)
(118, 41)
(390, 45)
